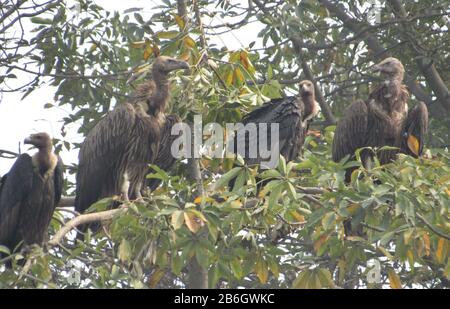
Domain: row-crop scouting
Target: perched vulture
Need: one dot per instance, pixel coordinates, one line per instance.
(164, 159)
(382, 120)
(114, 157)
(29, 194)
(293, 114)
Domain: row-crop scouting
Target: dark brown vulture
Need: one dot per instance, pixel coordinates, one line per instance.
(293, 114)
(382, 120)
(114, 157)
(29, 194)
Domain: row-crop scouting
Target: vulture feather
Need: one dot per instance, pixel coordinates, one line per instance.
(114, 157)
(164, 159)
(29, 194)
(382, 120)
(293, 114)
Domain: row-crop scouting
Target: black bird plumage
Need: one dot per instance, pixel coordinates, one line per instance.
(29, 194)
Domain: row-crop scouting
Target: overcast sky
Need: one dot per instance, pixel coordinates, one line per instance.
(20, 118)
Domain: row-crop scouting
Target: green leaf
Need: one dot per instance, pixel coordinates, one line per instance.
(124, 253)
(226, 178)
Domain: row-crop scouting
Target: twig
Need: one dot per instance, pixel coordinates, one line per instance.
(431, 227)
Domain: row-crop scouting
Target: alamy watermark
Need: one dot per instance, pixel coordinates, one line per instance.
(255, 142)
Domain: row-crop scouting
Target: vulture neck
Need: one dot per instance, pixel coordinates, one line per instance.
(391, 95)
(160, 95)
(310, 104)
(44, 160)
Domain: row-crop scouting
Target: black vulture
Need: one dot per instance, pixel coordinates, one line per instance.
(114, 157)
(29, 194)
(293, 114)
(382, 120)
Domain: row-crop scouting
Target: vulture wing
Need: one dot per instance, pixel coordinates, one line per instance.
(59, 180)
(164, 159)
(351, 131)
(415, 129)
(15, 188)
(287, 112)
(99, 155)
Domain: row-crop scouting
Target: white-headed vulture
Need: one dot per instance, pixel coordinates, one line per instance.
(382, 120)
(114, 157)
(29, 194)
(293, 114)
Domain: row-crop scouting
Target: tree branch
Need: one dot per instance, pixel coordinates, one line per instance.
(84, 219)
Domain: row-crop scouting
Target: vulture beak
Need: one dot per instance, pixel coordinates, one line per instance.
(376, 68)
(28, 140)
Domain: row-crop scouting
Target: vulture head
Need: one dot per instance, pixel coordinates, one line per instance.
(391, 68)
(306, 90)
(39, 140)
(165, 65)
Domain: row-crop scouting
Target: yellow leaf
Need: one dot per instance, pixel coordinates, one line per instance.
(440, 250)
(320, 242)
(192, 222)
(244, 59)
(179, 21)
(189, 42)
(206, 199)
(147, 52)
(426, 240)
(413, 144)
(155, 278)
(167, 34)
(229, 78)
(394, 280)
(385, 252)
(298, 217)
(353, 208)
(177, 219)
(185, 56)
(262, 270)
(239, 76)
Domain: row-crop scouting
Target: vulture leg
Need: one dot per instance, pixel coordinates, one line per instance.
(125, 187)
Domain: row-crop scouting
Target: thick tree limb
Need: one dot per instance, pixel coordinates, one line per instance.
(84, 219)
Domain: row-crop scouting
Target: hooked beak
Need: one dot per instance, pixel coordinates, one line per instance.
(27, 140)
(376, 68)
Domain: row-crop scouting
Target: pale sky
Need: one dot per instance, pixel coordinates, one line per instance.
(19, 118)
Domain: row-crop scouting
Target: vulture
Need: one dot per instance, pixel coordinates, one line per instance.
(114, 157)
(29, 194)
(382, 120)
(293, 114)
